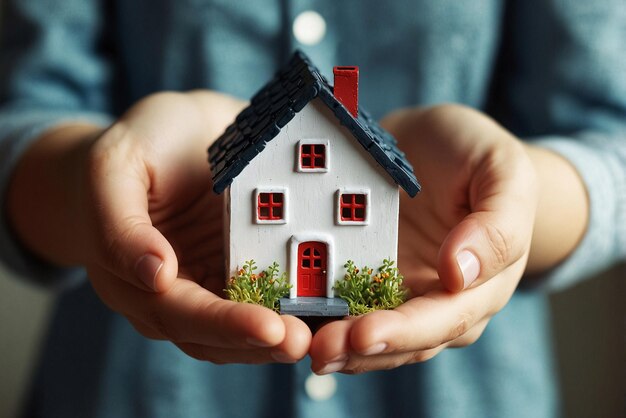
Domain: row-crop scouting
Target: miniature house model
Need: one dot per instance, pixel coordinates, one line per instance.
(310, 180)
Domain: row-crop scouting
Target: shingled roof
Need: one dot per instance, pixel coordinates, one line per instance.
(293, 87)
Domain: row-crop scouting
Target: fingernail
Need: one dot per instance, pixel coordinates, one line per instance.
(469, 265)
(147, 268)
(281, 357)
(375, 349)
(332, 367)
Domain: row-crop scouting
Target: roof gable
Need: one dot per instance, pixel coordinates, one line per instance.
(275, 105)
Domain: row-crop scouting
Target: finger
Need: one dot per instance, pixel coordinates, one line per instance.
(353, 363)
(227, 355)
(331, 353)
(296, 343)
(471, 336)
(421, 323)
(293, 348)
(362, 364)
(498, 230)
(434, 319)
(188, 313)
(330, 348)
(130, 247)
(144, 329)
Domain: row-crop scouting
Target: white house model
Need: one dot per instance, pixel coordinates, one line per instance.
(311, 180)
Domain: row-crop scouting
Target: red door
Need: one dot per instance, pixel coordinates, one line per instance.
(312, 269)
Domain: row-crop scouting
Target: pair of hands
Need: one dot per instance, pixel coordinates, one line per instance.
(154, 248)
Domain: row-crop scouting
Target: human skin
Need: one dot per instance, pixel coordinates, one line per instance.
(484, 192)
(133, 205)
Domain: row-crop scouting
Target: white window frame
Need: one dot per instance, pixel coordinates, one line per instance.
(285, 193)
(313, 141)
(368, 207)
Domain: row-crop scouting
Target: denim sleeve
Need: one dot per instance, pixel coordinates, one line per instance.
(53, 69)
(568, 84)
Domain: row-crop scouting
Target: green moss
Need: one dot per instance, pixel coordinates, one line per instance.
(366, 293)
(264, 289)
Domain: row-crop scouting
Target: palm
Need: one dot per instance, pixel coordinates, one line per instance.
(191, 220)
(422, 231)
(426, 220)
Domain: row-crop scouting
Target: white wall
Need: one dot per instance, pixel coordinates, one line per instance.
(311, 200)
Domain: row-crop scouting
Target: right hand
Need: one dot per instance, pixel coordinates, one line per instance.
(156, 248)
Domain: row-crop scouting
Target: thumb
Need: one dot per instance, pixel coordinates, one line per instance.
(139, 254)
(487, 241)
(130, 247)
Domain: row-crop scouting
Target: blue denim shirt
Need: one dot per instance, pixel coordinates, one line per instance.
(550, 71)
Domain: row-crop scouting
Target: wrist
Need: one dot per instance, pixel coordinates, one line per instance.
(562, 212)
(44, 198)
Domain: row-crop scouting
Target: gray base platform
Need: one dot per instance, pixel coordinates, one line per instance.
(313, 306)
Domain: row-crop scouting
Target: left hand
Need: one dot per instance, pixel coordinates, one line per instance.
(463, 246)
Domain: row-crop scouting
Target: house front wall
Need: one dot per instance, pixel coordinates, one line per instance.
(311, 200)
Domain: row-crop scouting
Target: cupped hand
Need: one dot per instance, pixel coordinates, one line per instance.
(463, 245)
(156, 252)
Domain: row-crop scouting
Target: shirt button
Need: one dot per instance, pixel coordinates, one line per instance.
(320, 388)
(309, 28)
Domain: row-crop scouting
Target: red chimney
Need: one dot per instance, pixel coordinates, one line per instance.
(347, 88)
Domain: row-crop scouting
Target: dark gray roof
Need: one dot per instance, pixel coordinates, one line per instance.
(277, 103)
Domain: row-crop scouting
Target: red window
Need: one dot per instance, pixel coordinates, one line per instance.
(313, 156)
(313, 259)
(352, 207)
(271, 206)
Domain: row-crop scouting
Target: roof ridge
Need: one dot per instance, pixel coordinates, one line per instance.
(275, 104)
